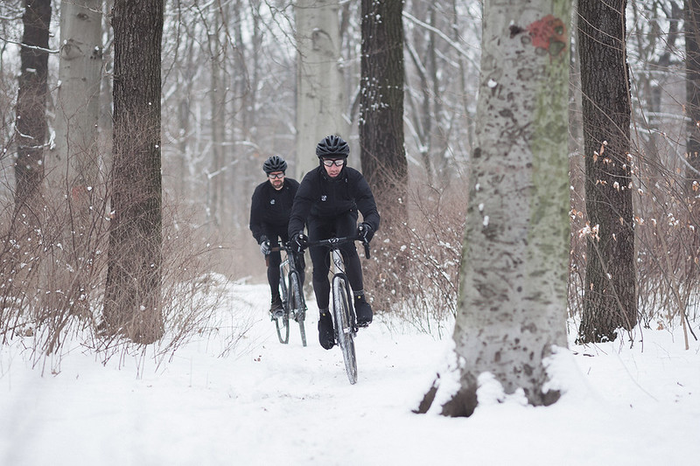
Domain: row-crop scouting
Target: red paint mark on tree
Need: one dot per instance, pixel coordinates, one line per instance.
(549, 33)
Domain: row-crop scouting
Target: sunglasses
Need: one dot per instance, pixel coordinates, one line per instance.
(273, 175)
(337, 162)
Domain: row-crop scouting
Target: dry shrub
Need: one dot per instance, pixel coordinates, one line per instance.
(668, 248)
(667, 245)
(51, 299)
(414, 268)
(194, 286)
(45, 283)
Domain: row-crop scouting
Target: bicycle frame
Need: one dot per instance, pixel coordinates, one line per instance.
(343, 312)
(292, 294)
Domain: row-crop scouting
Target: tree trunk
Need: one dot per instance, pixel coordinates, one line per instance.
(512, 299)
(692, 107)
(30, 133)
(422, 117)
(31, 123)
(132, 296)
(610, 299)
(382, 151)
(217, 99)
(184, 113)
(383, 155)
(692, 110)
(72, 167)
(320, 96)
(652, 83)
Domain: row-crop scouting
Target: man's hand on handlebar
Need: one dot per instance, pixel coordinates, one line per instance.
(264, 245)
(365, 232)
(299, 242)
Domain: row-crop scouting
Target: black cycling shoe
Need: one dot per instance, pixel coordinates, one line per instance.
(325, 330)
(363, 311)
(276, 309)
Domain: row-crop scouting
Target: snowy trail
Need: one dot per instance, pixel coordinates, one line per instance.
(267, 403)
(308, 410)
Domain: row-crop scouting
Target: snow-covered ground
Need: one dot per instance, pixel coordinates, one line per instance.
(266, 403)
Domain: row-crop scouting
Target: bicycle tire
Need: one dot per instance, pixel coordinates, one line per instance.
(298, 305)
(282, 322)
(282, 327)
(344, 330)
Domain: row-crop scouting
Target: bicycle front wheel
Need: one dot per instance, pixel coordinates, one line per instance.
(282, 322)
(282, 326)
(344, 327)
(297, 303)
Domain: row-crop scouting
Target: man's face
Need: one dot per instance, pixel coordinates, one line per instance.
(333, 166)
(276, 179)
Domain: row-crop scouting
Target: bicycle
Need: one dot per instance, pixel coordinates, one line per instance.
(292, 296)
(342, 308)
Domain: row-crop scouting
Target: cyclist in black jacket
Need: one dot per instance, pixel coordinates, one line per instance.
(328, 202)
(269, 217)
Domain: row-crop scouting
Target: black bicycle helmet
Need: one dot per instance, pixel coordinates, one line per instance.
(332, 146)
(274, 164)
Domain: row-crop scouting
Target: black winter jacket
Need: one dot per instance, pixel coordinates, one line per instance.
(323, 197)
(270, 207)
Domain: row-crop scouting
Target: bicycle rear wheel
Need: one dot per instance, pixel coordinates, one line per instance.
(297, 304)
(344, 326)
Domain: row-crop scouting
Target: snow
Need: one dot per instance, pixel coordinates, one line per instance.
(261, 402)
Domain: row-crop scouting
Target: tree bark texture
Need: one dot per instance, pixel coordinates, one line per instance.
(72, 166)
(77, 105)
(383, 154)
(31, 125)
(692, 107)
(132, 297)
(217, 95)
(610, 298)
(18, 273)
(512, 301)
(320, 82)
(381, 129)
(692, 111)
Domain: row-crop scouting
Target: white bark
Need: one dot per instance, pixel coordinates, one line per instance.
(512, 305)
(320, 97)
(72, 166)
(77, 104)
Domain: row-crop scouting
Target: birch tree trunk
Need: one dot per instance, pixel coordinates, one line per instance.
(512, 299)
(132, 296)
(72, 167)
(320, 97)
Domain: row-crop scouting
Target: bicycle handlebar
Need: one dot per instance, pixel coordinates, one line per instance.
(335, 242)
